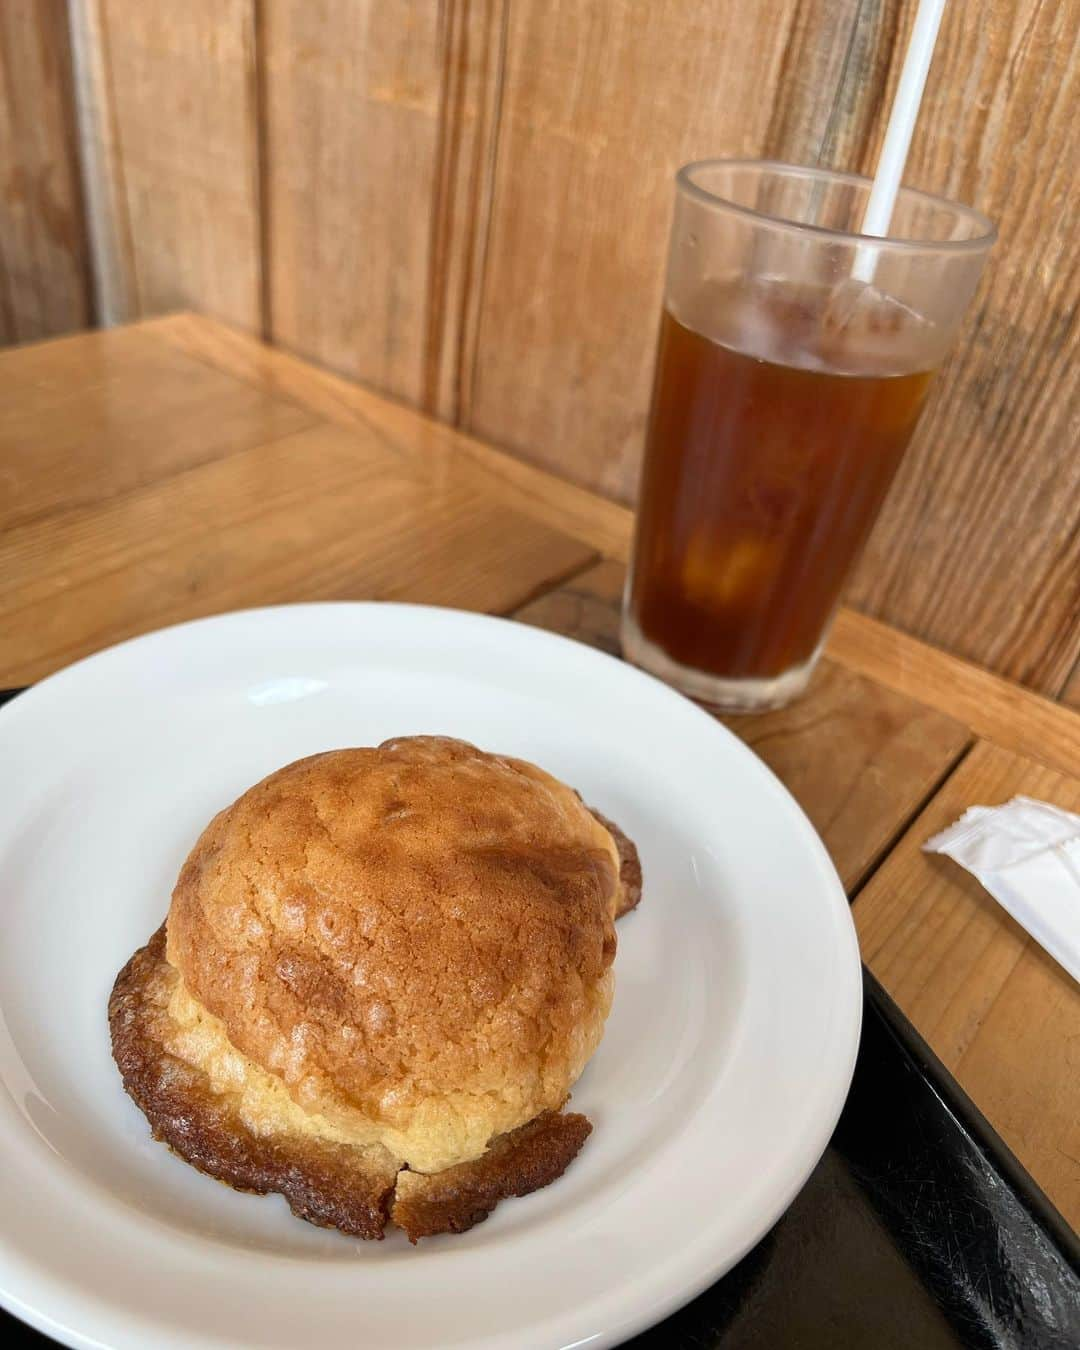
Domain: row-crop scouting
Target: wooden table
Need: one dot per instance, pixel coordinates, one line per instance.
(177, 468)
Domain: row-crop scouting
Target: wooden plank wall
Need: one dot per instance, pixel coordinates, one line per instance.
(979, 545)
(352, 125)
(464, 203)
(44, 276)
(175, 127)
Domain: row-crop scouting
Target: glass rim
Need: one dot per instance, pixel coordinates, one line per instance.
(685, 182)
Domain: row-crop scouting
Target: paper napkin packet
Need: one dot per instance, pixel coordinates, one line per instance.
(1027, 855)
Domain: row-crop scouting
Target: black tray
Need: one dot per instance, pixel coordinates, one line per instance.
(918, 1228)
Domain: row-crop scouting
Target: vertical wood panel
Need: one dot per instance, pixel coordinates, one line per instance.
(108, 232)
(601, 102)
(473, 62)
(1072, 689)
(44, 277)
(353, 110)
(978, 549)
(835, 64)
(177, 127)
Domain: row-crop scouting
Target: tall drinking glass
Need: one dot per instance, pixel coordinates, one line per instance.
(794, 360)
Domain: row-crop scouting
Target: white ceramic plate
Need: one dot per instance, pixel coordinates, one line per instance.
(721, 1076)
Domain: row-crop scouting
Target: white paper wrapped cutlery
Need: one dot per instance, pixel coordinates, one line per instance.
(1027, 855)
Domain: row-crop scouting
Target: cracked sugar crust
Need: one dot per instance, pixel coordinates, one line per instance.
(414, 940)
(332, 1184)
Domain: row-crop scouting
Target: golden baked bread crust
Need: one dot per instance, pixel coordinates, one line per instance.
(330, 1184)
(381, 973)
(415, 939)
(517, 1163)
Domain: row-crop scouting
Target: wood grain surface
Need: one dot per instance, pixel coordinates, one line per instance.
(992, 707)
(978, 548)
(1072, 689)
(108, 222)
(860, 759)
(176, 126)
(1002, 1015)
(176, 468)
(466, 205)
(352, 121)
(85, 418)
(602, 523)
(44, 276)
(148, 488)
(600, 103)
(597, 106)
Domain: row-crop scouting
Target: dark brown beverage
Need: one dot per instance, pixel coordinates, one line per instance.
(772, 443)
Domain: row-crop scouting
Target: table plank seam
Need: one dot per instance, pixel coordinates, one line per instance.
(995, 709)
(595, 520)
(351, 418)
(931, 792)
(65, 514)
(549, 584)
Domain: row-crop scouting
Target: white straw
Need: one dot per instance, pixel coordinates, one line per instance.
(902, 118)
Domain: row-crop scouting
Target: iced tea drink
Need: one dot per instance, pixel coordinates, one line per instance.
(782, 405)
